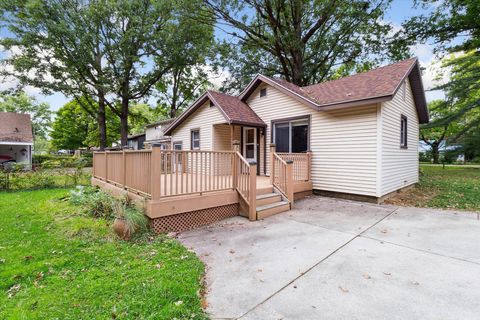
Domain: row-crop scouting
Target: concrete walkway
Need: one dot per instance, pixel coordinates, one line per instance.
(335, 259)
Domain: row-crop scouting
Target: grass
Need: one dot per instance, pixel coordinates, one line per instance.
(58, 264)
(452, 187)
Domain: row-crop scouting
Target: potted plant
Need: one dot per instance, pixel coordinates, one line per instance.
(128, 220)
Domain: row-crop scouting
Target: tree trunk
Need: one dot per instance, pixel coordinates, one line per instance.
(435, 153)
(102, 124)
(124, 121)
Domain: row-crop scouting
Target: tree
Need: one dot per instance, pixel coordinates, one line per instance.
(140, 115)
(144, 41)
(75, 128)
(20, 102)
(453, 27)
(435, 134)
(180, 87)
(302, 41)
(55, 46)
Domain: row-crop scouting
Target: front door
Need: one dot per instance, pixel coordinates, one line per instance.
(177, 157)
(250, 143)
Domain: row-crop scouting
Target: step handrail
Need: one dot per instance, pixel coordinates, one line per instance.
(282, 176)
(245, 182)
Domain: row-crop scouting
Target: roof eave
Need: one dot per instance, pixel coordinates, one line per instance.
(355, 103)
(252, 124)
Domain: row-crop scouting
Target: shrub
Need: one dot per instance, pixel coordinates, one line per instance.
(99, 204)
(94, 202)
(135, 220)
(425, 156)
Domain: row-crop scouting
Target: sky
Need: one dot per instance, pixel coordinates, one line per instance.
(399, 11)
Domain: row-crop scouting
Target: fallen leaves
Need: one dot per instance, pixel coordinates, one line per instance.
(344, 290)
(13, 290)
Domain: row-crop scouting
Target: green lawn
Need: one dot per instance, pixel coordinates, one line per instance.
(452, 187)
(56, 264)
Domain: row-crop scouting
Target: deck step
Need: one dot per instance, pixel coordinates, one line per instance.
(272, 208)
(264, 190)
(268, 198)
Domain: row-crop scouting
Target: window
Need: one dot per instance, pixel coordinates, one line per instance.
(291, 136)
(263, 92)
(403, 132)
(212, 104)
(195, 139)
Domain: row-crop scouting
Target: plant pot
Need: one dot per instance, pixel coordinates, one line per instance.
(121, 229)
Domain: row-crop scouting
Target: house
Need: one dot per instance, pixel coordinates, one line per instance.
(256, 153)
(362, 130)
(136, 141)
(16, 138)
(155, 133)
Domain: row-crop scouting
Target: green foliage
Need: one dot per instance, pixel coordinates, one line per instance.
(94, 202)
(20, 102)
(75, 128)
(303, 41)
(454, 187)
(99, 204)
(450, 187)
(453, 26)
(57, 264)
(425, 156)
(63, 172)
(141, 115)
(136, 222)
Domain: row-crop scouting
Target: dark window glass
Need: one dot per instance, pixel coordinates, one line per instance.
(250, 136)
(291, 136)
(403, 132)
(282, 137)
(300, 138)
(196, 139)
(250, 151)
(263, 92)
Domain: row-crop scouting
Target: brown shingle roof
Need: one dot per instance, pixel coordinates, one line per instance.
(15, 127)
(373, 86)
(375, 83)
(237, 111)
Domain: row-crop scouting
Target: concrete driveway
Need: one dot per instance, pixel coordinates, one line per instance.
(335, 259)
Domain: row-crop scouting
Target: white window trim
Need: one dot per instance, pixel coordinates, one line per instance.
(192, 140)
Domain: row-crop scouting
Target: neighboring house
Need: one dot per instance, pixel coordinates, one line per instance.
(154, 133)
(136, 141)
(16, 138)
(362, 130)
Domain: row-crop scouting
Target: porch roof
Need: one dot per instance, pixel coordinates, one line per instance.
(232, 108)
(237, 111)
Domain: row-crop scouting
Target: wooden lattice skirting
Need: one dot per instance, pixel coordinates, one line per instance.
(193, 219)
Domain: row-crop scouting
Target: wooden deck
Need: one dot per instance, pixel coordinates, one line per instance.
(193, 187)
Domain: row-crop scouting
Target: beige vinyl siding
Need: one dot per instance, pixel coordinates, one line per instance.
(204, 118)
(399, 166)
(343, 142)
(221, 137)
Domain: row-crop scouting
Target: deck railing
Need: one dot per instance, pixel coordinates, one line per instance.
(245, 177)
(165, 173)
(302, 164)
(282, 176)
